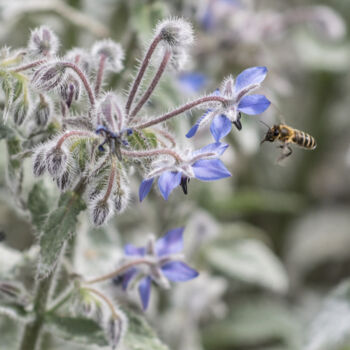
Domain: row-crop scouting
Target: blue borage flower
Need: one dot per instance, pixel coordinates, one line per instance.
(203, 164)
(167, 264)
(237, 92)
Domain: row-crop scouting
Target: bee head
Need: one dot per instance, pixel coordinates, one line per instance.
(271, 134)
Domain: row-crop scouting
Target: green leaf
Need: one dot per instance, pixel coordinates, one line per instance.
(77, 329)
(253, 324)
(57, 230)
(5, 131)
(140, 336)
(250, 261)
(38, 204)
(330, 330)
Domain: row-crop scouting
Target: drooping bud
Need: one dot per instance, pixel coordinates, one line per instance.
(39, 161)
(43, 42)
(111, 111)
(20, 111)
(49, 76)
(43, 111)
(100, 210)
(175, 32)
(64, 181)
(70, 90)
(81, 58)
(56, 159)
(111, 51)
(121, 192)
(116, 329)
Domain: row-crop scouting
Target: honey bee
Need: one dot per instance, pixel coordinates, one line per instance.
(288, 136)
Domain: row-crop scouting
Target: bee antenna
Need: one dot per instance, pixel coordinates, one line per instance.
(263, 123)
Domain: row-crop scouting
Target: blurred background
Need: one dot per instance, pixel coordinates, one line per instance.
(272, 243)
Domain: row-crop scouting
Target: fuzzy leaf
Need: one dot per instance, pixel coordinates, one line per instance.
(330, 330)
(250, 261)
(38, 204)
(57, 230)
(140, 336)
(5, 131)
(77, 329)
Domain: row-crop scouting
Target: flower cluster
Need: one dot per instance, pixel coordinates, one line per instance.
(92, 150)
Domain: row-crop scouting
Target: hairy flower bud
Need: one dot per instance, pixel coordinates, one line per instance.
(64, 181)
(111, 111)
(43, 42)
(81, 58)
(43, 111)
(56, 159)
(175, 32)
(20, 112)
(100, 210)
(70, 90)
(49, 76)
(39, 161)
(115, 329)
(112, 51)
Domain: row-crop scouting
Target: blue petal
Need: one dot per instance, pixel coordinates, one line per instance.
(128, 276)
(171, 243)
(131, 250)
(167, 182)
(145, 291)
(254, 75)
(220, 127)
(192, 82)
(253, 104)
(217, 148)
(210, 169)
(178, 271)
(195, 127)
(145, 187)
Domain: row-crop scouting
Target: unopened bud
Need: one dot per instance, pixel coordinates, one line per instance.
(42, 112)
(175, 32)
(112, 51)
(100, 211)
(43, 42)
(39, 163)
(56, 159)
(70, 90)
(116, 329)
(49, 76)
(111, 111)
(20, 112)
(64, 181)
(81, 58)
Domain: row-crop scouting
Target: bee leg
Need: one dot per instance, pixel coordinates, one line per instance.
(286, 152)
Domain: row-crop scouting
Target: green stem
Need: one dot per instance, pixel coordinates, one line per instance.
(31, 335)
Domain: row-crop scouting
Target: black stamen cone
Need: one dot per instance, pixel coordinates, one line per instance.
(184, 181)
(238, 123)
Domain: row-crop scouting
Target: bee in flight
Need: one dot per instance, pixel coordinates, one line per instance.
(288, 136)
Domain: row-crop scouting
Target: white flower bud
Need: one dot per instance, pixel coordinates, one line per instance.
(56, 159)
(175, 32)
(112, 51)
(101, 210)
(49, 76)
(39, 161)
(43, 42)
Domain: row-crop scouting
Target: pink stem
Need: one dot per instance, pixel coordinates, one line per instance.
(101, 67)
(141, 72)
(180, 110)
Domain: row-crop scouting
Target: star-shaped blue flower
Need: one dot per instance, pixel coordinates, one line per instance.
(203, 164)
(168, 265)
(237, 92)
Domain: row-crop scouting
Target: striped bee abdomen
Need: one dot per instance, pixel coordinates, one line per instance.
(304, 140)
